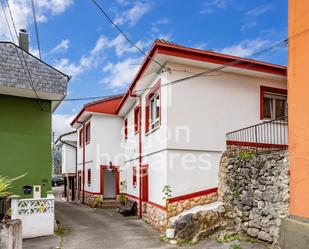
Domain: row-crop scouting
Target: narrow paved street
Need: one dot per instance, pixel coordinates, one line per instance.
(103, 228)
(88, 228)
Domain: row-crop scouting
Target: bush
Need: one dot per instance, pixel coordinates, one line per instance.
(122, 198)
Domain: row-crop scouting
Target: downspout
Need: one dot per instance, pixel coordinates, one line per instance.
(140, 157)
(84, 160)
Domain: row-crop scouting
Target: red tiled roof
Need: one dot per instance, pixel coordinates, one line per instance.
(172, 49)
(103, 106)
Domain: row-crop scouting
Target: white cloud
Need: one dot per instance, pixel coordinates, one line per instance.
(22, 13)
(87, 61)
(248, 25)
(61, 123)
(210, 6)
(259, 10)
(62, 46)
(134, 14)
(121, 73)
(245, 48)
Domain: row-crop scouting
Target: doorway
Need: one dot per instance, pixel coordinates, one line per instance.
(109, 182)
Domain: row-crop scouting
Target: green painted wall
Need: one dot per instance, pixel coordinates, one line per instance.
(25, 142)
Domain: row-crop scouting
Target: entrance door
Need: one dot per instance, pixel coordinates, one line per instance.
(145, 183)
(109, 184)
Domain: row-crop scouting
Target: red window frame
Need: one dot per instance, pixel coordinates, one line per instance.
(126, 129)
(134, 176)
(266, 89)
(89, 176)
(81, 137)
(137, 113)
(88, 132)
(153, 91)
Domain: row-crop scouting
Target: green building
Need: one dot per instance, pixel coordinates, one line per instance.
(30, 90)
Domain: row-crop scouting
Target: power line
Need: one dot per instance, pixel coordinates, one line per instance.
(207, 73)
(36, 29)
(22, 53)
(125, 35)
(233, 63)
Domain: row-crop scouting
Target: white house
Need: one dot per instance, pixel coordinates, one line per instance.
(98, 150)
(175, 118)
(164, 138)
(67, 144)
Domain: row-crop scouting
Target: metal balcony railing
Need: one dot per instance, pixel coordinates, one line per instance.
(266, 136)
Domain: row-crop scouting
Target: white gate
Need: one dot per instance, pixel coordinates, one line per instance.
(37, 215)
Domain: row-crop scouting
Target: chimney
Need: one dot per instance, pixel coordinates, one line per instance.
(24, 40)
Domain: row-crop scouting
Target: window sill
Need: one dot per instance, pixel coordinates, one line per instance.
(136, 132)
(153, 130)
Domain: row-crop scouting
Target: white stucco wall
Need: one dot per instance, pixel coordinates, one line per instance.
(68, 159)
(104, 147)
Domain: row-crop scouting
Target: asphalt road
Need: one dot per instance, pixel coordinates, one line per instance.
(87, 228)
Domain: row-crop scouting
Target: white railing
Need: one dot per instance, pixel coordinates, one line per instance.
(37, 215)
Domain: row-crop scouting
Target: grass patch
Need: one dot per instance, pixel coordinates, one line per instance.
(60, 232)
(229, 238)
(245, 155)
(235, 246)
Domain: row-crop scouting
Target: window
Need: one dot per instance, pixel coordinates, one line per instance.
(134, 176)
(154, 111)
(126, 129)
(89, 176)
(137, 113)
(273, 103)
(153, 108)
(81, 137)
(88, 133)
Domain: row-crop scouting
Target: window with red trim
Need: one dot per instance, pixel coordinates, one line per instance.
(134, 176)
(137, 113)
(126, 129)
(89, 176)
(273, 103)
(153, 108)
(81, 137)
(88, 133)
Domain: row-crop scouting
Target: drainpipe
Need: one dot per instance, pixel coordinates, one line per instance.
(84, 161)
(140, 157)
(75, 147)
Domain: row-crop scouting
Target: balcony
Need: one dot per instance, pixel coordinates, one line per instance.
(267, 136)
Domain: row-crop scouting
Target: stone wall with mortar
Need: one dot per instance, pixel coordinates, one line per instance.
(177, 207)
(90, 198)
(255, 193)
(155, 216)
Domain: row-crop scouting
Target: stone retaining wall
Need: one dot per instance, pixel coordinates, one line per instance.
(90, 198)
(176, 208)
(155, 216)
(255, 193)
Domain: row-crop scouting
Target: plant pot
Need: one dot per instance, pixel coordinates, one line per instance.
(5, 205)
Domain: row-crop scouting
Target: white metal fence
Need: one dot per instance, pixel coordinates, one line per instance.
(37, 215)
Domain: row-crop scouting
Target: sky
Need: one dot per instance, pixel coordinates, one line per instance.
(77, 39)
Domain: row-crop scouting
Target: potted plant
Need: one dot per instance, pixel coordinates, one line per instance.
(5, 185)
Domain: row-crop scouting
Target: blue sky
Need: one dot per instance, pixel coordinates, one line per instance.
(77, 39)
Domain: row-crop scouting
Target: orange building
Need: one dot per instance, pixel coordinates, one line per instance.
(296, 228)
